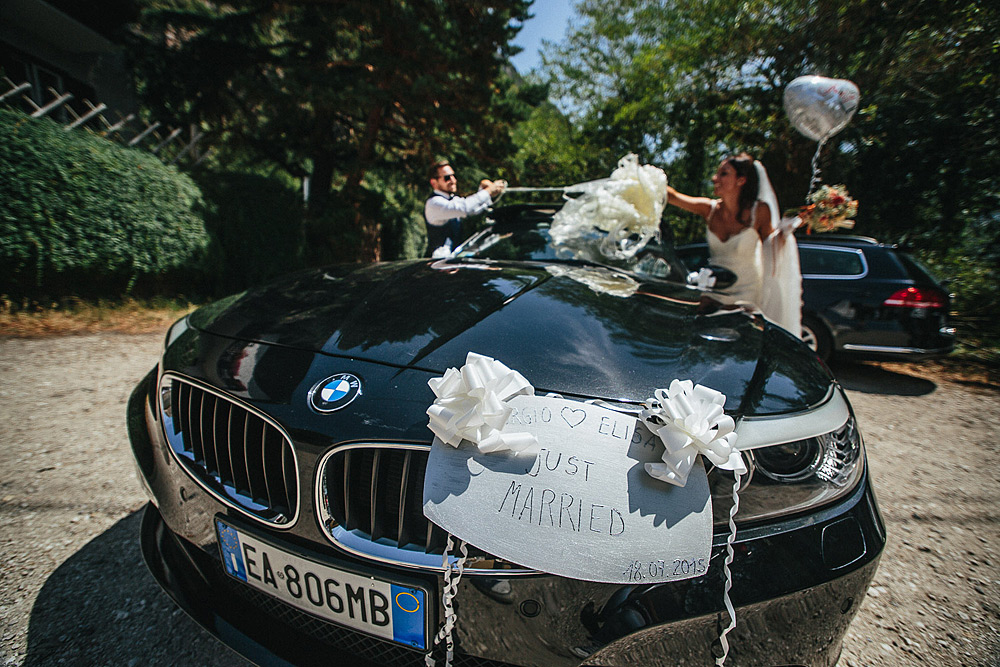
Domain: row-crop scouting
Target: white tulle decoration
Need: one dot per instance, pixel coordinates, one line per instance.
(690, 420)
(627, 206)
(470, 405)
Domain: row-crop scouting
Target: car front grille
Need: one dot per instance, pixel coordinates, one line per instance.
(235, 452)
(371, 503)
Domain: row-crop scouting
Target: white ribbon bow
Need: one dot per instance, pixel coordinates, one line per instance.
(470, 405)
(690, 420)
(703, 279)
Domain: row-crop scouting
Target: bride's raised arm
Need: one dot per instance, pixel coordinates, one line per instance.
(699, 205)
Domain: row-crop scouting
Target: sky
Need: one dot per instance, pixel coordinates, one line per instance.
(551, 18)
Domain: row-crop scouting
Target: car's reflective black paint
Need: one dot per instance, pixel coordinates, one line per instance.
(797, 580)
(797, 584)
(429, 315)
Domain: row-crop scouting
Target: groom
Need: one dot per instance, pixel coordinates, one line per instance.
(444, 210)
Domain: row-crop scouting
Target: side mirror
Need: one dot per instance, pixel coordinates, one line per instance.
(724, 278)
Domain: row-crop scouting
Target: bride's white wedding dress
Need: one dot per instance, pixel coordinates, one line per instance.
(768, 275)
(741, 254)
(781, 296)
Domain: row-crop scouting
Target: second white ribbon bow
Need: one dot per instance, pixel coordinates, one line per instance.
(690, 420)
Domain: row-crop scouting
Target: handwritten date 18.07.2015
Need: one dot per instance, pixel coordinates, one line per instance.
(658, 569)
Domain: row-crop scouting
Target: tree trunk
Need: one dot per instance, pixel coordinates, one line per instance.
(319, 184)
(320, 242)
(369, 229)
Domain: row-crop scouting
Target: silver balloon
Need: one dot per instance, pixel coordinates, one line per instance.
(819, 107)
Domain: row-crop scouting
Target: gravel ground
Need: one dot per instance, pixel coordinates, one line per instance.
(74, 590)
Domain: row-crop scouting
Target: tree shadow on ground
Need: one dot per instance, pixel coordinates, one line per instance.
(102, 606)
(874, 379)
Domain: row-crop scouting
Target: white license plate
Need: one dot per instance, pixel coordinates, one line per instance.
(391, 611)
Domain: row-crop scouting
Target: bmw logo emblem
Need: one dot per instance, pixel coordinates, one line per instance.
(335, 392)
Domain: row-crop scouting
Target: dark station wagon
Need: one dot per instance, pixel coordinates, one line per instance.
(863, 299)
(283, 442)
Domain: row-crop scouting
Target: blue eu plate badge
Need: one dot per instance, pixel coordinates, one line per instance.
(229, 541)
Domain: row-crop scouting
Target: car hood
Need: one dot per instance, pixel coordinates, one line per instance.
(578, 330)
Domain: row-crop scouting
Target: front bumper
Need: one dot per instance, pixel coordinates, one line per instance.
(796, 586)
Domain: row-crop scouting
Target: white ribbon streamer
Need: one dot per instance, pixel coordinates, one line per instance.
(453, 570)
(728, 576)
(471, 405)
(690, 420)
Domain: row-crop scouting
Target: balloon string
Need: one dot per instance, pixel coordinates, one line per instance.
(815, 169)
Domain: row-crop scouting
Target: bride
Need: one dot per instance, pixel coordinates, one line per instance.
(746, 237)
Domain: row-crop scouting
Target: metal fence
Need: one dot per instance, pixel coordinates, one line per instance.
(171, 144)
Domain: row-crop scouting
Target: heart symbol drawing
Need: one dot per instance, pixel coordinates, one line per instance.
(573, 416)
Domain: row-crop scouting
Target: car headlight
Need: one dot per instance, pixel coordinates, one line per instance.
(831, 457)
(798, 474)
(175, 331)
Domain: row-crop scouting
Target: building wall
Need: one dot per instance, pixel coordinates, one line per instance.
(46, 47)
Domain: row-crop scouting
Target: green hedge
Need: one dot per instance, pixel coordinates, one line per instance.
(80, 215)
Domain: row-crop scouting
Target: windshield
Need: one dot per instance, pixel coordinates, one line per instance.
(526, 238)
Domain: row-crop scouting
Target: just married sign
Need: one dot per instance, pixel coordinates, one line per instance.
(580, 504)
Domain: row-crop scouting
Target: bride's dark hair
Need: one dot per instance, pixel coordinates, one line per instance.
(743, 165)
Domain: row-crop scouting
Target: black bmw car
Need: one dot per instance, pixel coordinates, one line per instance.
(862, 299)
(283, 442)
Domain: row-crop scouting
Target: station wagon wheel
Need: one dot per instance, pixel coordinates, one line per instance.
(815, 335)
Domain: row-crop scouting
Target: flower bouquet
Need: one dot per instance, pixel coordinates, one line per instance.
(830, 207)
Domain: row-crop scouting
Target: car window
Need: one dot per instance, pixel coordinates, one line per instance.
(831, 261)
(918, 272)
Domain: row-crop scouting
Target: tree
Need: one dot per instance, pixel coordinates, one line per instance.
(684, 82)
(332, 89)
(552, 152)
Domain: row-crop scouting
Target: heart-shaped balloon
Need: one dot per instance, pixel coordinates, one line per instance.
(819, 107)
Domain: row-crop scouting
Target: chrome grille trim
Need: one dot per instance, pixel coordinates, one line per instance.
(232, 450)
(384, 520)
